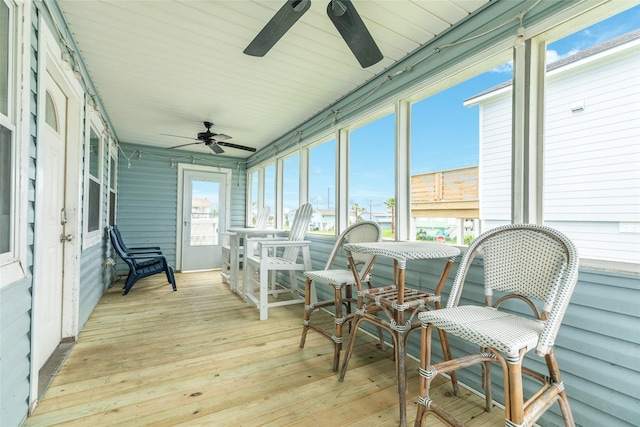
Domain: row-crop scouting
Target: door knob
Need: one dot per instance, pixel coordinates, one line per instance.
(66, 238)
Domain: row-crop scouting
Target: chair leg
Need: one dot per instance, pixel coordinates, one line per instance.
(264, 293)
(339, 319)
(352, 339)
(563, 401)
(514, 397)
(308, 308)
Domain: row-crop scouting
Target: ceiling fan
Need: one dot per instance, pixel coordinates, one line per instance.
(343, 15)
(215, 141)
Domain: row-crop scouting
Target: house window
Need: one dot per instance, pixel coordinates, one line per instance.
(252, 203)
(93, 188)
(6, 193)
(591, 184)
(290, 188)
(13, 173)
(7, 147)
(113, 174)
(456, 145)
(372, 173)
(322, 190)
(270, 192)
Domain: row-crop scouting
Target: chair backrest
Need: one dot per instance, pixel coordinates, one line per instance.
(299, 228)
(117, 245)
(527, 260)
(116, 234)
(263, 217)
(360, 232)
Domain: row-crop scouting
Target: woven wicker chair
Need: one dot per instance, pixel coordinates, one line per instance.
(277, 254)
(261, 222)
(530, 263)
(342, 281)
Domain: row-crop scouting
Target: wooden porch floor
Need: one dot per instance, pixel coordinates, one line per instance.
(199, 356)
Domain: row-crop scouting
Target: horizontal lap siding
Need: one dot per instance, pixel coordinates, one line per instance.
(495, 160)
(16, 299)
(148, 193)
(592, 156)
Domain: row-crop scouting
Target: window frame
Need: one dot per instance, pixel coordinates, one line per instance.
(93, 237)
(112, 186)
(14, 262)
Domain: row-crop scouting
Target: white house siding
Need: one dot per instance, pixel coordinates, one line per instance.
(595, 197)
(495, 161)
(592, 157)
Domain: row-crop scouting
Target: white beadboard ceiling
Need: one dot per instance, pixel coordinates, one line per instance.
(164, 67)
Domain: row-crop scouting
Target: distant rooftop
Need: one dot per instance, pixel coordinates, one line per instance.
(602, 47)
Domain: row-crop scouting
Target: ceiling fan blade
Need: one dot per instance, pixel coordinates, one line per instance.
(178, 136)
(239, 147)
(277, 27)
(184, 145)
(214, 147)
(350, 26)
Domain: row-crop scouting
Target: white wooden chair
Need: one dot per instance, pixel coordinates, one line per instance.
(522, 262)
(261, 222)
(277, 254)
(342, 281)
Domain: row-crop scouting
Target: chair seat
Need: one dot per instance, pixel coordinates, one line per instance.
(282, 263)
(332, 277)
(487, 327)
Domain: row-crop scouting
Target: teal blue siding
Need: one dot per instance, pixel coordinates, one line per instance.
(148, 196)
(15, 300)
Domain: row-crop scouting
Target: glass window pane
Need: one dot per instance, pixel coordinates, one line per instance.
(270, 193)
(50, 114)
(291, 188)
(94, 206)
(5, 33)
(204, 213)
(591, 188)
(254, 198)
(322, 191)
(94, 154)
(5, 190)
(372, 173)
(459, 140)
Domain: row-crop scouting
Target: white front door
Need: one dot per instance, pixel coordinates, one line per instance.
(50, 219)
(203, 216)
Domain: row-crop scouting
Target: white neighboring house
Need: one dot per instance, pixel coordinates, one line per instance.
(592, 150)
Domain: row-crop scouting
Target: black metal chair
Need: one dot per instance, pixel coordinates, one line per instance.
(142, 262)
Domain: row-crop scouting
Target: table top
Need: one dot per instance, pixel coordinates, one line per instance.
(251, 230)
(403, 251)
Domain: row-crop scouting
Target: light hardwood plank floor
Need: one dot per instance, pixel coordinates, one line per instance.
(200, 357)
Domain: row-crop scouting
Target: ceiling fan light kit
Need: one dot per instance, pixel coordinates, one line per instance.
(344, 17)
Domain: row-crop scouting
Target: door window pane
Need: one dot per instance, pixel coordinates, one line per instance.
(205, 213)
(50, 114)
(372, 173)
(322, 191)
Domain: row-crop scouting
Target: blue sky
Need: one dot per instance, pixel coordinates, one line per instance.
(444, 131)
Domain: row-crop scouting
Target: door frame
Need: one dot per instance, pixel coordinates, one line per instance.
(50, 62)
(182, 168)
